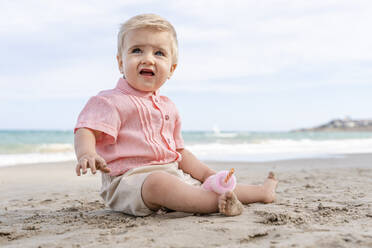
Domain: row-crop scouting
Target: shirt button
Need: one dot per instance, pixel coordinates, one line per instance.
(166, 117)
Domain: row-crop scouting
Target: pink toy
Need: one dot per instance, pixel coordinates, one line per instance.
(221, 182)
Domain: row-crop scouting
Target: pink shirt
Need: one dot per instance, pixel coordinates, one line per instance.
(139, 128)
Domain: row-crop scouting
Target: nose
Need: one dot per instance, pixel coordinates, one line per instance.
(148, 59)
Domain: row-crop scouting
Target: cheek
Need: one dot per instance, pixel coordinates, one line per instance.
(166, 68)
(129, 67)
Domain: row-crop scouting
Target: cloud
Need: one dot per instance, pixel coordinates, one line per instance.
(275, 56)
(62, 48)
(37, 16)
(80, 79)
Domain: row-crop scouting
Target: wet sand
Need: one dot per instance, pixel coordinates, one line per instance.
(320, 203)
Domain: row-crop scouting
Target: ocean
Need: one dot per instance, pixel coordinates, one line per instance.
(31, 146)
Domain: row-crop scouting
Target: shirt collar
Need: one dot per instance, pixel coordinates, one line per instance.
(125, 87)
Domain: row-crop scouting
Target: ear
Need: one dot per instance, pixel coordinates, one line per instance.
(120, 63)
(172, 69)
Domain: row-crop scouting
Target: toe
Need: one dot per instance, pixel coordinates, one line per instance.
(271, 175)
(229, 195)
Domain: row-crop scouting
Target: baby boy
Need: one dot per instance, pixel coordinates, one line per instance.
(132, 134)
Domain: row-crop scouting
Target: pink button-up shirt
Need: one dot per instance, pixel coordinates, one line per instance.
(139, 128)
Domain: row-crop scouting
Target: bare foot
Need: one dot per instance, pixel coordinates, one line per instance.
(229, 205)
(269, 188)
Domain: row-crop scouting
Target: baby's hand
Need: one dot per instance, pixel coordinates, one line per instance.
(92, 161)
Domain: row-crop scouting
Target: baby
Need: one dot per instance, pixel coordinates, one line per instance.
(133, 135)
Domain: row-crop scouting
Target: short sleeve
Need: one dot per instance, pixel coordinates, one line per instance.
(177, 133)
(101, 115)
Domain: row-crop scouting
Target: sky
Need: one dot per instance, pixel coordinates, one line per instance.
(243, 65)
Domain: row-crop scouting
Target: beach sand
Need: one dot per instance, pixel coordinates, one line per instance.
(320, 203)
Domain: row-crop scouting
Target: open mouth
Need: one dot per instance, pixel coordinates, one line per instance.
(147, 72)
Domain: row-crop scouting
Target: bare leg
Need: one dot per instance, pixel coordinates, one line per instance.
(257, 193)
(162, 189)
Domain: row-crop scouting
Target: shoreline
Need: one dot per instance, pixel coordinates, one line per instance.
(217, 162)
(320, 202)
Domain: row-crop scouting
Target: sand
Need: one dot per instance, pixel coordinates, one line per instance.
(320, 203)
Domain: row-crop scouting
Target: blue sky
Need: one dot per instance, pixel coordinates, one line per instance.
(244, 65)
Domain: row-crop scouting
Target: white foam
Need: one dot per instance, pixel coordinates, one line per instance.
(260, 151)
(280, 149)
(30, 158)
(54, 148)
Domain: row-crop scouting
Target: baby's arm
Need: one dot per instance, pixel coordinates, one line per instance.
(193, 166)
(85, 142)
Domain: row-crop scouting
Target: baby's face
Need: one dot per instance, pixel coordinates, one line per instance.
(146, 61)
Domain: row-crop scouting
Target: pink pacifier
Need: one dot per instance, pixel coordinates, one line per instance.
(221, 182)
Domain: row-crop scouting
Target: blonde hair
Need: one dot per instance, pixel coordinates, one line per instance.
(148, 21)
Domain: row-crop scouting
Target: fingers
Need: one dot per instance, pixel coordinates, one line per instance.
(78, 167)
(102, 166)
(83, 164)
(106, 169)
(92, 165)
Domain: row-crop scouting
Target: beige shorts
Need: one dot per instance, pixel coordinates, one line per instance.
(123, 193)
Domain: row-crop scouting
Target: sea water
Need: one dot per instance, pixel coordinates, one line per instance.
(39, 146)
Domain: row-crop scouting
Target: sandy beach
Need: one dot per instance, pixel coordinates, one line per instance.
(320, 203)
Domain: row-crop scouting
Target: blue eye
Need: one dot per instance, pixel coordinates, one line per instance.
(136, 50)
(159, 53)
